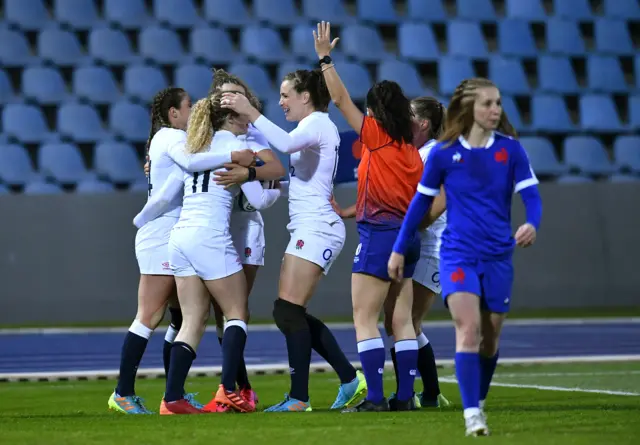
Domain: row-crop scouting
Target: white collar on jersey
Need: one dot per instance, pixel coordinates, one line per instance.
(466, 144)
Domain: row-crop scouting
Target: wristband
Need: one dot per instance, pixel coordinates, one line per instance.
(252, 174)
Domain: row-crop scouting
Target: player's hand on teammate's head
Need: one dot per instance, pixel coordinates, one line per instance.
(525, 235)
(235, 175)
(245, 158)
(395, 267)
(237, 102)
(322, 39)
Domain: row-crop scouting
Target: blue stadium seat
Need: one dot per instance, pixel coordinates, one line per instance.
(556, 75)
(508, 74)
(274, 113)
(41, 188)
(289, 67)
(622, 9)
(426, 11)
(117, 162)
(573, 9)
(61, 163)
(60, 47)
(626, 153)
(466, 39)
(531, 10)
(356, 79)
(130, 121)
(612, 37)
(129, 14)
(143, 81)
(637, 71)
(78, 14)
(338, 119)
(276, 12)
(549, 113)
(29, 15)
(96, 84)
(377, 11)
(256, 77)
(196, 79)
(140, 185)
(92, 186)
(452, 71)
(622, 178)
(262, 43)
(364, 43)
(516, 39)
(44, 85)
(634, 112)
(476, 10)
(14, 51)
(604, 74)
(160, 45)
(213, 45)
(513, 112)
(542, 156)
(226, 13)
(178, 14)
(7, 94)
(111, 46)
(332, 11)
(4, 190)
(574, 179)
(16, 167)
(586, 155)
(25, 122)
(302, 45)
(598, 113)
(564, 38)
(417, 42)
(405, 74)
(80, 122)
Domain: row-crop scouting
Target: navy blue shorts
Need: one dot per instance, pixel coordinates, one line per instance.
(490, 280)
(375, 248)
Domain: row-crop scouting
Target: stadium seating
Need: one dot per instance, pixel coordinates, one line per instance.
(77, 76)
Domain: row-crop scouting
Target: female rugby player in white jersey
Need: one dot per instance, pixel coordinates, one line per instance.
(201, 233)
(317, 232)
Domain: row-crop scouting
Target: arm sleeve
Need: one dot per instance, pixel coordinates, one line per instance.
(297, 140)
(258, 197)
(523, 174)
(284, 189)
(428, 188)
(197, 162)
(533, 205)
(160, 201)
(256, 141)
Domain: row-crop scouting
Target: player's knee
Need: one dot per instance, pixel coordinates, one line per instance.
(417, 324)
(468, 336)
(388, 326)
(289, 317)
(401, 319)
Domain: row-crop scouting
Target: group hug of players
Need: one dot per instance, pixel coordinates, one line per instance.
(201, 236)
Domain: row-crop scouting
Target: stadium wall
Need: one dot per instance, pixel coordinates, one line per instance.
(70, 258)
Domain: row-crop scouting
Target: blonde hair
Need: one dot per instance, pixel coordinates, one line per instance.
(459, 117)
(207, 117)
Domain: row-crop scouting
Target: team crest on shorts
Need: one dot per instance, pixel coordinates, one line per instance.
(166, 265)
(247, 252)
(299, 244)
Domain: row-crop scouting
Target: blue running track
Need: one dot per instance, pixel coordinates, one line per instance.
(29, 352)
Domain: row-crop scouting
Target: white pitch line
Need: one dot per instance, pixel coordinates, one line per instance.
(566, 374)
(552, 388)
(272, 327)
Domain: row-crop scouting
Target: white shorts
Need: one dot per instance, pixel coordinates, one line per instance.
(250, 243)
(320, 243)
(207, 253)
(427, 273)
(152, 246)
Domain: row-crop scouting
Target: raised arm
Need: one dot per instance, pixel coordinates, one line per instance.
(160, 201)
(337, 90)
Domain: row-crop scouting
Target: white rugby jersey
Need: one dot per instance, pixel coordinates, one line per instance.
(431, 236)
(161, 166)
(207, 204)
(255, 141)
(313, 147)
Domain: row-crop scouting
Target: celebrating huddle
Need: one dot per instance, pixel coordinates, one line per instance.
(211, 171)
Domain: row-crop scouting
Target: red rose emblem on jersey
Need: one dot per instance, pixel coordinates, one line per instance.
(247, 252)
(299, 244)
(501, 156)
